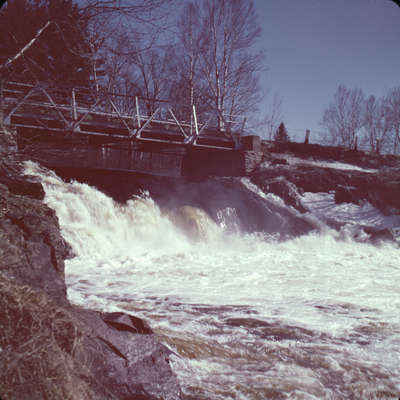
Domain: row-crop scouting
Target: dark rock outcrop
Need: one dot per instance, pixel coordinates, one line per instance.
(286, 190)
(128, 323)
(32, 250)
(380, 235)
(347, 194)
(125, 358)
(381, 188)
(333, 153)
(254, 213)
(300, 172)
(49, 348)
(10, 176)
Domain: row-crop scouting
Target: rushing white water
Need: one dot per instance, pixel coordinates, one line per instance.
(293, 160)
(315, 317)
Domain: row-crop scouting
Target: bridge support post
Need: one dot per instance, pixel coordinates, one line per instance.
(139, 132)
(74, 113)
(195, 120)
(137, 112)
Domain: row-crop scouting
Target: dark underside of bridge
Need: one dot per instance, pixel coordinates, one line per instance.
(123, 167)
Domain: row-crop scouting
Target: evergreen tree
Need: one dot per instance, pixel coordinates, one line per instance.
(281, 134)
(59, 54)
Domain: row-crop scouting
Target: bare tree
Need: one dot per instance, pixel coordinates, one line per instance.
(186, 88)
(377, 123)
(228, 62)
(153, 70)
(132, 48)
(393, 102)
(343, 119)
(142, 20)
(144, 11)
(273, 116)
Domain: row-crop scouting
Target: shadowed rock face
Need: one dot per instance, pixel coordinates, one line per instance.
(49, 348)
(300, 172)
(254, 213)
(381, 189)
(332, 153)
(31, 247)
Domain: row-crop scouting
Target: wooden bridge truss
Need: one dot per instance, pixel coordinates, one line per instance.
(112, 117)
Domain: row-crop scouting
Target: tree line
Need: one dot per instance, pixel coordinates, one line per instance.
(354, 120)
(192, 52)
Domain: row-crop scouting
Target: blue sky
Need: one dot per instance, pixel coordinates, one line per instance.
(312, 46)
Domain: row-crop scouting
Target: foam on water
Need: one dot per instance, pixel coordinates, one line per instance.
(323, 205)
(311, 317)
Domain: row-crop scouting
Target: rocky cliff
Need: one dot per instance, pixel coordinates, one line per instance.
(50, 349)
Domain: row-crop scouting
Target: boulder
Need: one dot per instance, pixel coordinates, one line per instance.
(125, 322)
(279, 161)
(287, 191)
(347, 194)
(125, 363)
(377, 236)
(10, 176)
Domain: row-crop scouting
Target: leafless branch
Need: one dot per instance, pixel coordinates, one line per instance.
(26, 47)
(343, 119)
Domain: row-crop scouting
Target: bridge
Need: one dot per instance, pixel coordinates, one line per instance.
(66, 127)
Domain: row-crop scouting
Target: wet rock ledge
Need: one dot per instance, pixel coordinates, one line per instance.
(50, 349)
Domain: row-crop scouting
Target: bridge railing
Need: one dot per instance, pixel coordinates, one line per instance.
(90, 112)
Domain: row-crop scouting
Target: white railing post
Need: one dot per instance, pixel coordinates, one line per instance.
(243, 124)
(137, 112)
(195, 120)
(74, 113)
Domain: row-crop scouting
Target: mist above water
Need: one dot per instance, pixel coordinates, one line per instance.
(249, 315)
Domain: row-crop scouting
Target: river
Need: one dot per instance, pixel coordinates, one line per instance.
(248, 316)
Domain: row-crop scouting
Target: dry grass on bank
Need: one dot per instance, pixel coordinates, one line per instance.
(37, 341)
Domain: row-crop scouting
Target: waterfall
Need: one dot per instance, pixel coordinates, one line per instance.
(250, 315)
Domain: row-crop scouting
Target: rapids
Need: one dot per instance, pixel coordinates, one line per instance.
(248, 316)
